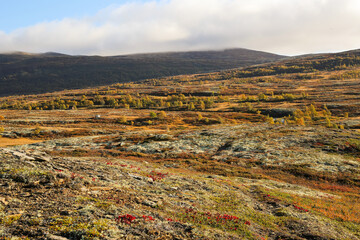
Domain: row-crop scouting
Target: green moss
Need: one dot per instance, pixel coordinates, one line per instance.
(35, 221)
(73, 227)
(103, 205)
(352, 227)
(285, 220)
(9, 220)
(23, 174)
(84, 199)
(265, 220)
(207, 220)
(226, 202)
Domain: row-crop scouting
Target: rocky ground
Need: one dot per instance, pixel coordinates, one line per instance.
(246, 181)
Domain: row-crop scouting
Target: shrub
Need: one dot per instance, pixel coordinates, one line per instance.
(269, 120)
(122, 120)
(262, 97)
(300, 121)
(37, 131)
(127, 219)
(162, 115)
(153, 115)
(328, 122)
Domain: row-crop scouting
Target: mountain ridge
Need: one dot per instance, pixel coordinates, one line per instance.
(48, 72)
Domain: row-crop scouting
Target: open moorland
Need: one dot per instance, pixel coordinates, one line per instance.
(264, 152)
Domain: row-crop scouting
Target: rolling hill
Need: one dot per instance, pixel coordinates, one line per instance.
(23, 73)
(263, 152)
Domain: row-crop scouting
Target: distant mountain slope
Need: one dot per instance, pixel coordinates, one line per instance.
(22, 73)
(302, 64)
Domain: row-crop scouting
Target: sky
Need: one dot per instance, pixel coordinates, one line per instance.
(110, 27)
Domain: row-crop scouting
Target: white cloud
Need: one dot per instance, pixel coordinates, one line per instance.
(280, 26)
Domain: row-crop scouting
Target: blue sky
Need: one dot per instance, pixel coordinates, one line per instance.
(22, 13)
(114, 27)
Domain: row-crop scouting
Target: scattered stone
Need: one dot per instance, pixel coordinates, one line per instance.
(149, 203)
(137, 177)
(62, 175)
(42, 158)
(22, 156)
(4, 201)
(55, 237)
(162, 137)
(65, 213)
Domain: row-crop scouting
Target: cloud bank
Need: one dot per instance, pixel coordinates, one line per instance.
(287, 27)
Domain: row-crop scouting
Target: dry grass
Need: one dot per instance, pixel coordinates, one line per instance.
(5, 142)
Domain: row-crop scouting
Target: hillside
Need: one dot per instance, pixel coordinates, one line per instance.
(22, 73)
(264, 152)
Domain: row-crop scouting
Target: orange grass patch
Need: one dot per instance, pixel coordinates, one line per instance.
(345, 208)
(16, 141)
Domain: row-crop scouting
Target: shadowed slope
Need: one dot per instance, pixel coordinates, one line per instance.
(38, 73)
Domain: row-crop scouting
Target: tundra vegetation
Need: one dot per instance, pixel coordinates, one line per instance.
(264, 152)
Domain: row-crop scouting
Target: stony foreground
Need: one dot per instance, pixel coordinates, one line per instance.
(230, 182)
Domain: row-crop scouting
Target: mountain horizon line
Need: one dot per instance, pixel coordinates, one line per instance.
(59, 53)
